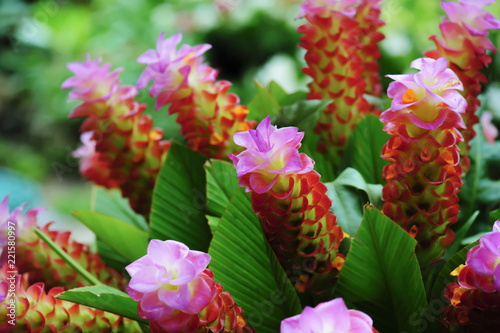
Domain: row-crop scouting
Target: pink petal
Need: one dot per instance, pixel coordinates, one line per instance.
(145, 281)
(176, 299)
(203, 290)
(291, 325)
(334, 314)
(199, 260)
(186, 272)
(166, 253)
(259, 184)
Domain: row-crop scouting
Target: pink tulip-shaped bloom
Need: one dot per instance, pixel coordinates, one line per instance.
(177, 293)
(170, 284)
(328, 317)
(290, 199)
(475, 299)
(484, 261)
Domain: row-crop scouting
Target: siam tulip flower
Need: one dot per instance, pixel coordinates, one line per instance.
(465, 44)
(342, 53)
(120, 147)
(329, 317)
(35, 258)
(475, 299)
(207, 113)
(177, 293)
(424, 173)
(39, 311)
(489, 130)
(291, 202)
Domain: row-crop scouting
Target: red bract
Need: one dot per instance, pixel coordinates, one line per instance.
(465, 43)
(424, 173)
(39, 311)
(121, 148)
(292, 204)
(342, 53)
(208, 114)
(41, 263)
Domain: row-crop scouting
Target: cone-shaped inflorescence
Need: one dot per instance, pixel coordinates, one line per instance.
(177, 293)
(35, 258)
(32, 309)
(424, 172)
(121, 149)
(291, 202)
(475, 299)
(465, 44)
(207, 113)
(342, 52)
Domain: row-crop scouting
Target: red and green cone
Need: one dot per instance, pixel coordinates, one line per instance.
(424, 172)
(292, 204)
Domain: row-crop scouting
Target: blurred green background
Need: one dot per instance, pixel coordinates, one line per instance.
(252, 40)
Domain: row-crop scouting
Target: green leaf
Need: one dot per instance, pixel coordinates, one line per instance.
(111, 202)
(322, 164)
(364, 149)
(460, 235)
(67, 258)
(243, 262)
(263, 104)
(347, 203)
(444, 277)
(126, 240)
(381, 275)
(302, 114)
(494, 216)
(222, 182)
(179, 201)
(104, 298)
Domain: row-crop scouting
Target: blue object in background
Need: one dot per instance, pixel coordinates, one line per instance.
(19, 188)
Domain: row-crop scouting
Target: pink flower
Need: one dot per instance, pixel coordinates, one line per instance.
(170, 284)
(489, 130)
(269, 153)
(328, 317)
(472, 15)
(324, 7)
(15, 218)
(433, 88)
(484, 260)
(169, 68)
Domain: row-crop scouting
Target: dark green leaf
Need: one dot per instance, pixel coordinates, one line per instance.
(243, 262)
(302, 114)
(364, 149)
(222, 182)
(460, 235)
(263, 104)
(381, 275)
(126, 240)
(347, 201)
(104, 298)
(179, 201)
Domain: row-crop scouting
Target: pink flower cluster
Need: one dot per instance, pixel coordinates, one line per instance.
(328, 317)
(270, 152)
(171, 285)
(169, 68)
(418, 96)
(484, 261)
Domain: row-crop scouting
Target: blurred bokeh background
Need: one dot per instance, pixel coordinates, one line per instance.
(252, 40)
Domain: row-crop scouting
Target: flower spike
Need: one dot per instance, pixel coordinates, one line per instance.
(292, 204)
(341, 38)
(41, 263)
(207, 113)
(121, 149)
(424, 172)
(465, 44)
